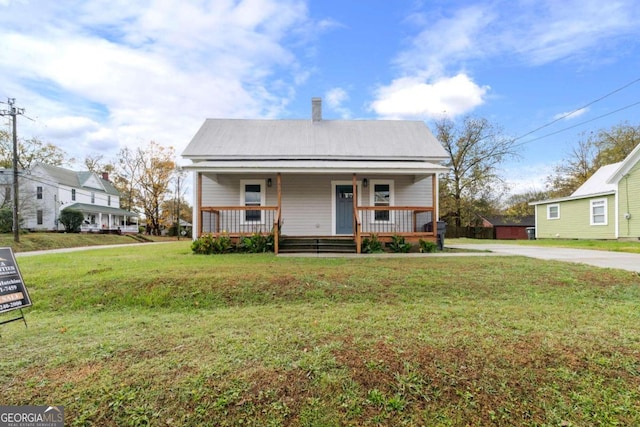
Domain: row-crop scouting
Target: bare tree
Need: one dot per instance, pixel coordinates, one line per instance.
(476, 148)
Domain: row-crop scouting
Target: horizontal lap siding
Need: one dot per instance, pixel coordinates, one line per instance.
(306, 205)
(226, 191)
(307, 199)
(574, 221)
(629, 189)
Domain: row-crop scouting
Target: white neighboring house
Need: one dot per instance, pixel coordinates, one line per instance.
(50, 189)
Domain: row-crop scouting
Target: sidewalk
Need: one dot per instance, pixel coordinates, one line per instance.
(604, 259)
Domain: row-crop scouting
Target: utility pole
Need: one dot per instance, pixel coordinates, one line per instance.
(178, 226)
(13, 111)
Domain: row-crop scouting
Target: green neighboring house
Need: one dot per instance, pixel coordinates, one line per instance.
(606, 206)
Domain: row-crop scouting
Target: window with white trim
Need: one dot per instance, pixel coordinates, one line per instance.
(39, 217)
(553, 211)
(598, 211)
(382, 195)
(252, 194)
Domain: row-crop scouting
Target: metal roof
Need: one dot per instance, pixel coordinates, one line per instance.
(597, 183)
(238, 139)
(76, 179)
(84, 207)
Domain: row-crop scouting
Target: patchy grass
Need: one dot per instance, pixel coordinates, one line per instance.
(602, 245)
(156, 335)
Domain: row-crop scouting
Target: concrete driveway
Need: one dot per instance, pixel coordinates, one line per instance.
(604, 259)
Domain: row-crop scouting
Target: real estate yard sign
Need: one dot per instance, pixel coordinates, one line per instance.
(13, 292)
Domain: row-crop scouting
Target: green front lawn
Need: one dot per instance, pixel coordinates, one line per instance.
(153, 335)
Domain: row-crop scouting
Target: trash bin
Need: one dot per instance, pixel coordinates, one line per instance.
(531, 233)
(441, 229)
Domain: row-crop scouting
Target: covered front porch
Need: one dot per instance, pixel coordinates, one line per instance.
(303, 206)
(104, 219)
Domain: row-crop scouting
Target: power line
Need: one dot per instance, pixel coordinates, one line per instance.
(564, 116)
(579, 124)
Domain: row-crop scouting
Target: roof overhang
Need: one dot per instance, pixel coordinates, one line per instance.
(565, 199)
(84, 207)
(318, 167)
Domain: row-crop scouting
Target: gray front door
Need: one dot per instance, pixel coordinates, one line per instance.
(344, 209)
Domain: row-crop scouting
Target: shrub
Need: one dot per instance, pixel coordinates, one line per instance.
(256, 243)
(6, 220)
(208, 244)
(71, 219)
(371, 245)
(399, 245)
(427, 246)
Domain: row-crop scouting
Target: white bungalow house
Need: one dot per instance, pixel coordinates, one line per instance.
(50, 189)
(606, 206)
(315, 178)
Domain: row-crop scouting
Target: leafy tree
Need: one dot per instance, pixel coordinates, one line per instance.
(71, 219)
(476, 148)
(169, 208)
(518, 204)
(127, 178)
(157, 168)
(615, 144)
(602, 148)
(578, 166)
(30, 152)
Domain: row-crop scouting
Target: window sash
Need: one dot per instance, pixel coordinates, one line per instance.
(598, 212)
(252, 194)
(381, 195)
(553, 212)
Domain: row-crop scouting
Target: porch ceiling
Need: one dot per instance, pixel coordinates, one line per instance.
(318, 167)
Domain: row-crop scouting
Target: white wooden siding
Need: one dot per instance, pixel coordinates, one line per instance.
(307, 199)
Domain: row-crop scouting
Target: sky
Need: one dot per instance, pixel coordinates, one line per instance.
(96, 76)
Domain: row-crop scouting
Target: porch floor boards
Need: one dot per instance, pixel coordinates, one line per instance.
(317, 245)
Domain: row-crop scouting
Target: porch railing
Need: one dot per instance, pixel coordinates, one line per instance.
(98, 228)
(395, 220)
(240, 220)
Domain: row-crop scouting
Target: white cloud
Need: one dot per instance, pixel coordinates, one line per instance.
(133, 72)
(569, 115)
(530, 32)
(335, 99)
(417, 98)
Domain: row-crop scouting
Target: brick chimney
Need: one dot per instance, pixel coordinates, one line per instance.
(105, 176)
(316, 109)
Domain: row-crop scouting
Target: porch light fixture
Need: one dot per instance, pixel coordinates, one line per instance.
(365, 182)
(269, 182)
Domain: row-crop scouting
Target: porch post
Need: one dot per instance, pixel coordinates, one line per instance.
(356, 229)
(199, 201)
(276, 237)
(434, 194)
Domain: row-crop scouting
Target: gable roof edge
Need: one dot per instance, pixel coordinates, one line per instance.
(628, 163)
